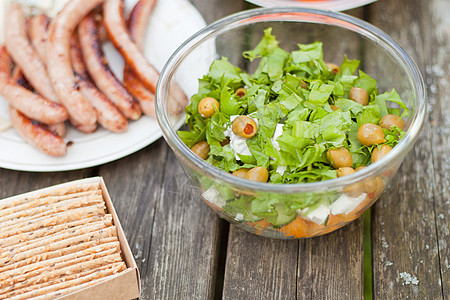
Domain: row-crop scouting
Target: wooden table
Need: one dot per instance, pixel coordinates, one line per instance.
(184, 251)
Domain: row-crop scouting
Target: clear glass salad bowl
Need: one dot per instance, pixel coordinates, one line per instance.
(320, 207)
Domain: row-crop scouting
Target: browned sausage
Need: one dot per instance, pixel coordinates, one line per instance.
(23, 53)
(57, 129)
(19, 78)
(100, 72)
(137, 27)
(107, 113)
(29, 103)
(138, 21)
(37, 32)
(118, 34)
(36, 134)
(145, 98)
(82, 113)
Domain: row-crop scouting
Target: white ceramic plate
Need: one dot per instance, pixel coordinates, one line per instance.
(334, 5)
(172, 22)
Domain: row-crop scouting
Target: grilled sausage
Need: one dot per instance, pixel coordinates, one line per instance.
(37, 32)
(23, 53)
(115, 26)
(108, 114)
(82, 113)
(29, 103)
(138, 21)
(100, 72)
(137, 27)
(19, 78)
(36, 134)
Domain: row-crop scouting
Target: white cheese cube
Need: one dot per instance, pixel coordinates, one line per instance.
(319, 215)
(345, 204)
(276, 134)
(281, 169)
(213, 196)
(239, 217)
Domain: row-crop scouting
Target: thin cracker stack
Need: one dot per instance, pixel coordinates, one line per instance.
(57, 242)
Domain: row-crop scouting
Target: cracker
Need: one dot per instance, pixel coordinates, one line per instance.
(33, 228)
(18, 291)
(21, 237)
(45, 210)
(97, 235)
(49, 274)
(35, 274)
(110, 248)
(57, 253)
(66, 287)
(58, 218)
(45, 201)
(57, 192)
(65, 234)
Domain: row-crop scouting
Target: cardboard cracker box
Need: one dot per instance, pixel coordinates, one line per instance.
(124, 285)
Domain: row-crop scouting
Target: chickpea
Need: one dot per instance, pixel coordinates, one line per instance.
(344, 171)
(373, 185)
(370, 134)
(340, 158)
(333, 68)
(241, 172)
(379, 153)
(354, 189)
(389, 121)
(201, 149)
(207, 107)
(257, 174)
(334, 107)
(359, 95)
(244, 126)
(240, 92)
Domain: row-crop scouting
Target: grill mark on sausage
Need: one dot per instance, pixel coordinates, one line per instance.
(99, 70)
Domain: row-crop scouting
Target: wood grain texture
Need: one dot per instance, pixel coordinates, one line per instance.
(212, 10)
(259, 268)
(14, 182)
(331, 266)
(183, 254)
(408, 234)
(437, 73)
(134, 184)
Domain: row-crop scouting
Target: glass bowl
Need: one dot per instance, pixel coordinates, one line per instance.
(322, 206)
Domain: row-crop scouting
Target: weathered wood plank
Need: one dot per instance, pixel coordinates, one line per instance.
(405, 243)
(331, 266)
(259, 268)
(437, 73)
(183, 256)
(134, 184)
(213, 10)
(15, 182)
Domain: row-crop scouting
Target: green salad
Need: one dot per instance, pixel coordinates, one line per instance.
(296, 119)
